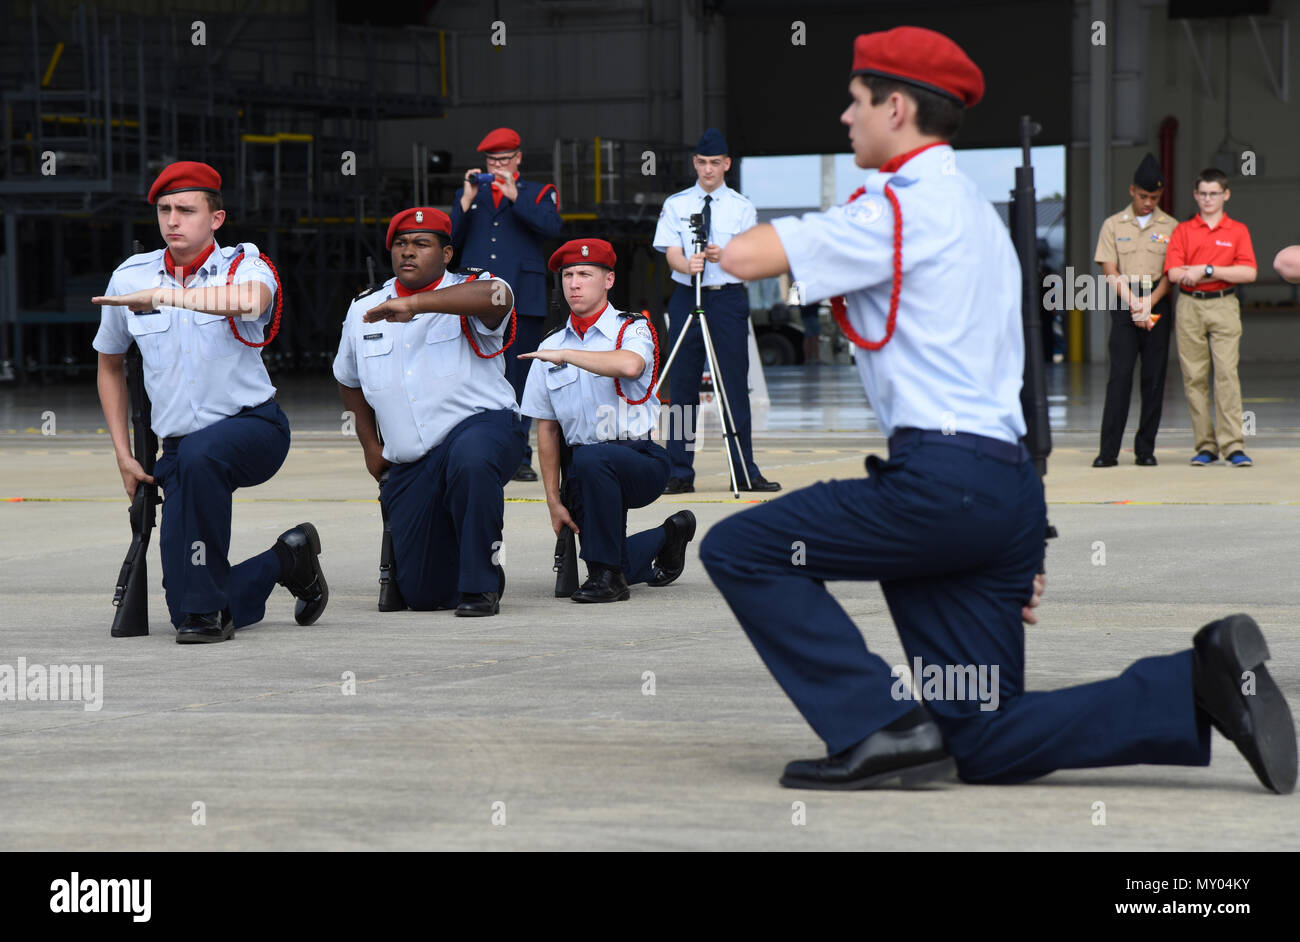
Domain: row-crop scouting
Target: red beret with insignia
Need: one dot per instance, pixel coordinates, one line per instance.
(418, 219)
(920, 57)
(499, 141)
(583, 252)
(185, 175)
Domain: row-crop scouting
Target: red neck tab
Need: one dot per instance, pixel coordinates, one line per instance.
(192, 267)
(893, 164)
(583, 324)
(405, 292)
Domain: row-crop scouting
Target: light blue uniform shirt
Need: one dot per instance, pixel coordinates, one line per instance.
(731, 214)
(422, 378)
(587, 405)
(196, 372)
(956, 360)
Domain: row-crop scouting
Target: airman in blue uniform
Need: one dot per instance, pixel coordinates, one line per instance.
(592, 382)
(214, 408)
(420, 367)
(726, 306)
(952, 525)
(500, 227)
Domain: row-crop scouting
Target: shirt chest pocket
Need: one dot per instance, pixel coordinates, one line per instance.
(155, 337)
(564, 390)
(376, 360)
(215, 338)
(446, 350)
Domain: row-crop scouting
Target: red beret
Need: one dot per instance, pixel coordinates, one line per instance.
(499, 141)
(185, 175)
(418, 219)
(583, 252)
(920, 57)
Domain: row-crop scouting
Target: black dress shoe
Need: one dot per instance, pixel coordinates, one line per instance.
(525, 473)
(904, 759)
(208, 628)
(603, 585)
(1100, 462)
(478, 604)
(1147, 461)
(678, 486)
(300, 572)
(760, 483)
(670, 562)
(1259, 722)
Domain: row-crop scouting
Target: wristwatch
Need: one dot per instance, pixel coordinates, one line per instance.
(1209, 271)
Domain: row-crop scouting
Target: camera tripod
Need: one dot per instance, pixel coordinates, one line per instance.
(720, 398)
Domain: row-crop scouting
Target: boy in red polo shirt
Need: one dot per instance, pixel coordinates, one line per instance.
(1209, 255)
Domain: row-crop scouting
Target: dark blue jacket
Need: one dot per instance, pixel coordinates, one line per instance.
(507, 240)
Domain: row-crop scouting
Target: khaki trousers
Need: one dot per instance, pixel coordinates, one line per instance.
(1209, 332)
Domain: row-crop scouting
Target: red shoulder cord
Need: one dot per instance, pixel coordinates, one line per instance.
(654, 374)
(279, 302)
(469, 334)
(840, 311)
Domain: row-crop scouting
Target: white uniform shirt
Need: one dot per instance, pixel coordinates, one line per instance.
(731, 214)
(422, 378)
(196, 372)
(587, 405)
(956, 360)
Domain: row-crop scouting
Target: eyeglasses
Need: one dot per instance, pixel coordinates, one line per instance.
(1209, 196)
(501, 161)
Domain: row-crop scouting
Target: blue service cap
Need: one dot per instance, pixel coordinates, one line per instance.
(712, 144)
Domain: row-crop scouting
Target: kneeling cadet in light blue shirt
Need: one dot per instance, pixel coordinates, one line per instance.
(593, 382)
(420, 367)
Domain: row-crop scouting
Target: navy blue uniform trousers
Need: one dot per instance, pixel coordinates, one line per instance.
(727, 311)
(198, 474)
(954, 537)
(605, 480)
(528, 334)
(446, 511)
(1127, 342)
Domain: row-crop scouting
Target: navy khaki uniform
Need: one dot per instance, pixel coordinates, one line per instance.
(951, 525)
(726, 305)
(215, 413)
(1137, 248)
(506, 238)
(615, 466)
(450, 428)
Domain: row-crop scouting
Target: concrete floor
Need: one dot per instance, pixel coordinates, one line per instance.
(542, 708)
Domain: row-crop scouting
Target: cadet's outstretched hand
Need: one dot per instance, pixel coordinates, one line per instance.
(1027, 613)
(142, 300)
(550, 356)
(394, 310)
(132, 475)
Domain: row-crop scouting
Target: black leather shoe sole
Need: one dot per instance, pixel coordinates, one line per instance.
(525, 473)
(681, 487)
(307, 611)
(1100, 462)
(1259, 723)
(672, 558)
(1147, 461)
(764, 485)
(906, 777)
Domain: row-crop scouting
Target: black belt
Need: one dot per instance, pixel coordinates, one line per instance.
(616, 441)
(1207, 295)
(730, 284)
(980, 444)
